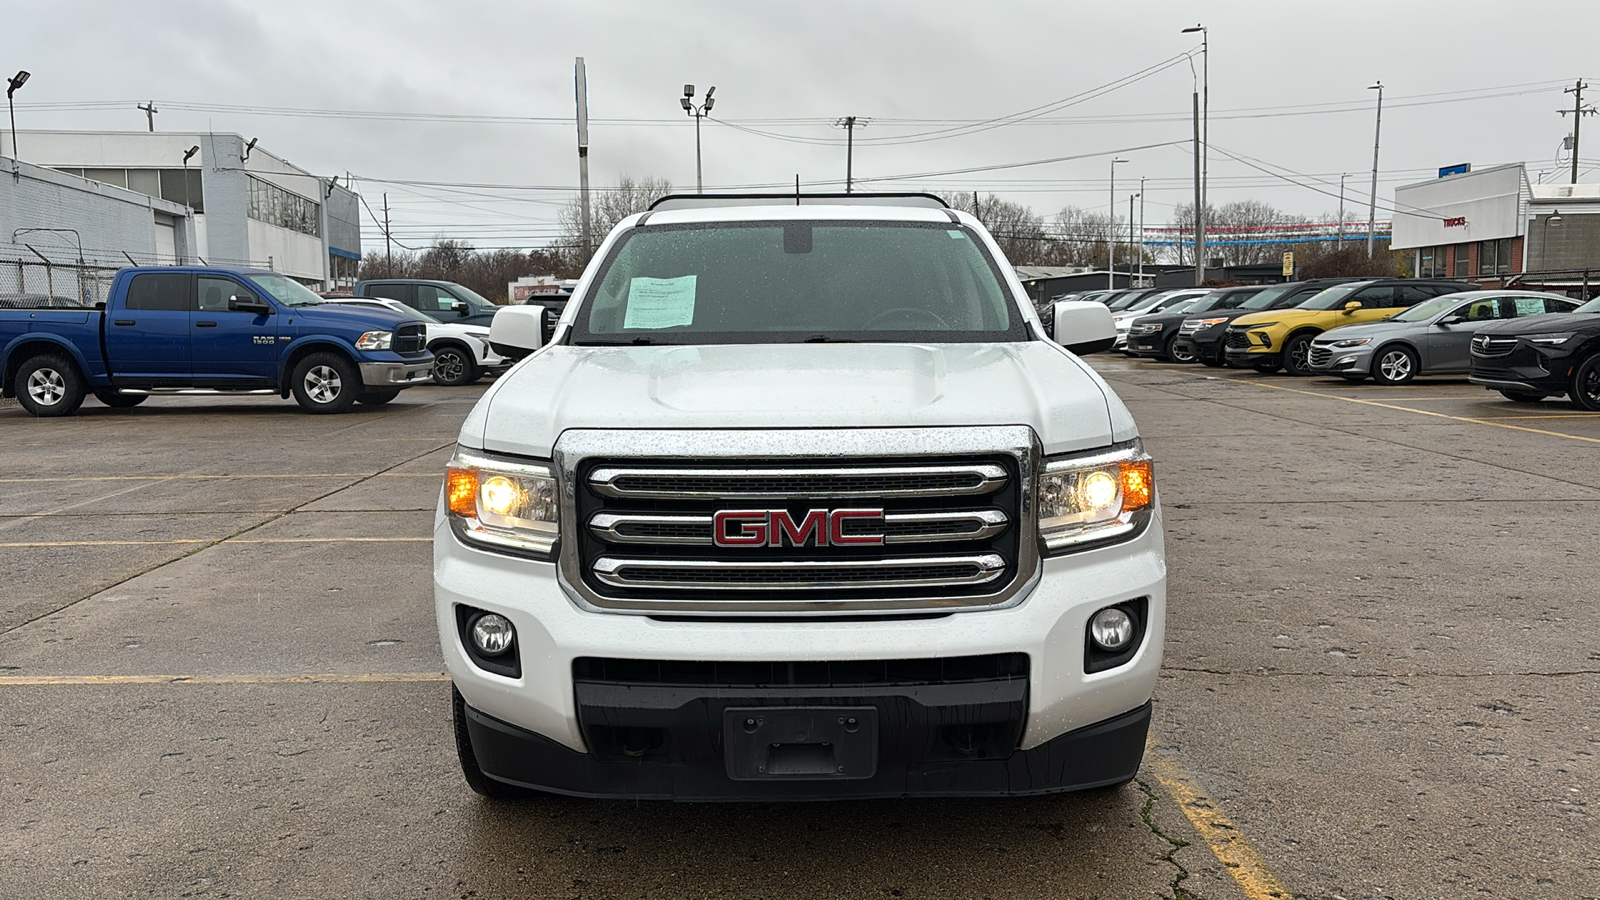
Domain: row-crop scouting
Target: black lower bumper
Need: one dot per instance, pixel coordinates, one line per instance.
(1106, 753)
(1244, 359)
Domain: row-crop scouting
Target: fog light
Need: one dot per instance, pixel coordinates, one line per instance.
(492, 634)
(1111, 628)
(1346, 361)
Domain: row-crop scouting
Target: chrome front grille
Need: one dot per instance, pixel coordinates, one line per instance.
(873, 525)
(1490, 345)
(1320, 355)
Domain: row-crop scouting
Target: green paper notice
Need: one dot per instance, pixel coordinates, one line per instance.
(660, 302)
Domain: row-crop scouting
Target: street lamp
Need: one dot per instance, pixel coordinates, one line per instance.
(1111, 228)
(188, 155)
(699, 112)
(17, 81)
(1131, 198)
(1372, 203)
(1203, 192)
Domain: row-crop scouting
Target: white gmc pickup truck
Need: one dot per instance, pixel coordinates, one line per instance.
(801, 500)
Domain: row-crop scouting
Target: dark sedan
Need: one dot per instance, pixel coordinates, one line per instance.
(1156, 335)
(1535, 357)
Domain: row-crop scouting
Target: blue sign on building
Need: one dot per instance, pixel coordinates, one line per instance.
(1458, 169)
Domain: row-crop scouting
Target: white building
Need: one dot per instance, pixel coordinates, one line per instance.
(1468, 224)
(251, 207)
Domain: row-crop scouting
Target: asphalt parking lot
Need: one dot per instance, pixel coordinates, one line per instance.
(219, 674)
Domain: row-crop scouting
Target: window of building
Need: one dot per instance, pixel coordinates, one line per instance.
(1462, 260)
(181, 186)
(275, 206)
(1433, 262)
(1494, 257)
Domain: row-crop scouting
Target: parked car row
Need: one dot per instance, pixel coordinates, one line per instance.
(1525, 344)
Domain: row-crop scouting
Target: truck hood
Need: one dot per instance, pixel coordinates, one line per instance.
(363, 317)
(1547, 323)
(798, 386)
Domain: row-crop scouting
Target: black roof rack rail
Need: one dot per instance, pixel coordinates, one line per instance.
(867, 198)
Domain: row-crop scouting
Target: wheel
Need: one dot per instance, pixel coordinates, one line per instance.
(1267, 368)
(326, 383)
(1585, 391)
(1176, 355)
(1395, 365)
(453, 366)
(49, 386)
(1297, 355)
(112, 398)
(480, 783)
(1523, 396)
(376, 398)
(1212, 362)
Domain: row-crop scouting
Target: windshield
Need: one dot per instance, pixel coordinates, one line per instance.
(788, 282)
(1591, 306)
(1332, 298)
(1265, 299)
(1183, 306)
(1430, 308)
(1120, 300)
(286, 290)
(470, 295)
(1145, 302)
(1218, 301)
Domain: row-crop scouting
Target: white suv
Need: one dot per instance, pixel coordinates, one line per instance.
(800, 501)
(461, 353)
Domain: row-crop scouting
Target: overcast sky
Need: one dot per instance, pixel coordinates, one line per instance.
(1466, 81)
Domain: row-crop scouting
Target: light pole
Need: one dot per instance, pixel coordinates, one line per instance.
(1203, 187)
(1342, 177)
(1141, 230)
(1111, 228)
(1372, 203)
(188, 155)
(1131, 198)
(17, 81)
(699, 112)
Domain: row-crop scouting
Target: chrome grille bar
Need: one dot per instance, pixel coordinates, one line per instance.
(800, 575)
(898, 528)
(785, 483)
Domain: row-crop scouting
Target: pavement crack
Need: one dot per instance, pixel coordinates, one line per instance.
(1173, 844)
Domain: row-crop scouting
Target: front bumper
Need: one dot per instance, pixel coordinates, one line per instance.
(1151, 344)
(1349, 361)
(1048, 626)
(396, 374)
(1244, 359)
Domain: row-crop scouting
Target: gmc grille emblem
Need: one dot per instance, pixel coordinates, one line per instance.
(774, 527)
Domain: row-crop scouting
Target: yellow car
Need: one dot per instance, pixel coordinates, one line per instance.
(1281, 338)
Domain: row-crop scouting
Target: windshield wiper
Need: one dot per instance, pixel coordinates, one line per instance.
(624, 342)
(826, 339)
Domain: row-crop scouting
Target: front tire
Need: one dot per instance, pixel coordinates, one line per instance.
(1523, 396)
(1395, 365)
(1179, 356)
(1585, 392)
(116, 400)
(326, 383)
(453, 366)
(480, 783)
(376, 398)
(1297, 355)
(49, 386)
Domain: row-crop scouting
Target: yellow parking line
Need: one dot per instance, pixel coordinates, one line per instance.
(306, 540)
(1420, 412)
(1549, 416)
(328, 678)
(1219, 832)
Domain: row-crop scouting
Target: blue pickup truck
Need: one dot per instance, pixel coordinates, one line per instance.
(181, 328)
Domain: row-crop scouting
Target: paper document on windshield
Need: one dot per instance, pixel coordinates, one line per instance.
(660, 302)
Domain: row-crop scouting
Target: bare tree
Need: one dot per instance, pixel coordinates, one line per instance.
(1016, 228)
(609, 206)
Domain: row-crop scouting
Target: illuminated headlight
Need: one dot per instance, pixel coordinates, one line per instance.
(1351, 342)
(1094, 498)
(375, 340)
(501, 503)
(1550, 340)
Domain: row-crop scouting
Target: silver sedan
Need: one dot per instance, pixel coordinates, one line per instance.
(1431, 338)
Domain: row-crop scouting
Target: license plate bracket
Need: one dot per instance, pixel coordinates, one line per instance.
(800, 743)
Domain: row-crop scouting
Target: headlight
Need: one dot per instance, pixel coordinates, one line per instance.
(1550, 340)
(1088, 499)
(1146, 328)
(502, 503)
(1352, 342)
(375, 340)
(1254, 325)
(1204, 323)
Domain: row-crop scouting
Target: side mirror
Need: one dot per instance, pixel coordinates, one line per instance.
(1352, 306)
(1083, 326)
(248, 305)
(1452, 320)
(460, 308)
(517, 330)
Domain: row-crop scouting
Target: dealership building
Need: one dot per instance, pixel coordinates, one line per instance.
(250, 206)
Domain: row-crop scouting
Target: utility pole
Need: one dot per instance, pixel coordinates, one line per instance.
(849, 123)
(1203, 152)
(1342, 177)
(1141, 229)
(1131, 198)
(388, 246)
(1111, 228)
(581, 86)
(1199, 221)
(1372, 203)
(149, 110)
(1578, 112)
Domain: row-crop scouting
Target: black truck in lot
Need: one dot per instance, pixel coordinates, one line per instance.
(1201, 336)
(1535, 357)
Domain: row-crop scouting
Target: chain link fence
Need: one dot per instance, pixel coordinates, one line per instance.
(34, 283)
